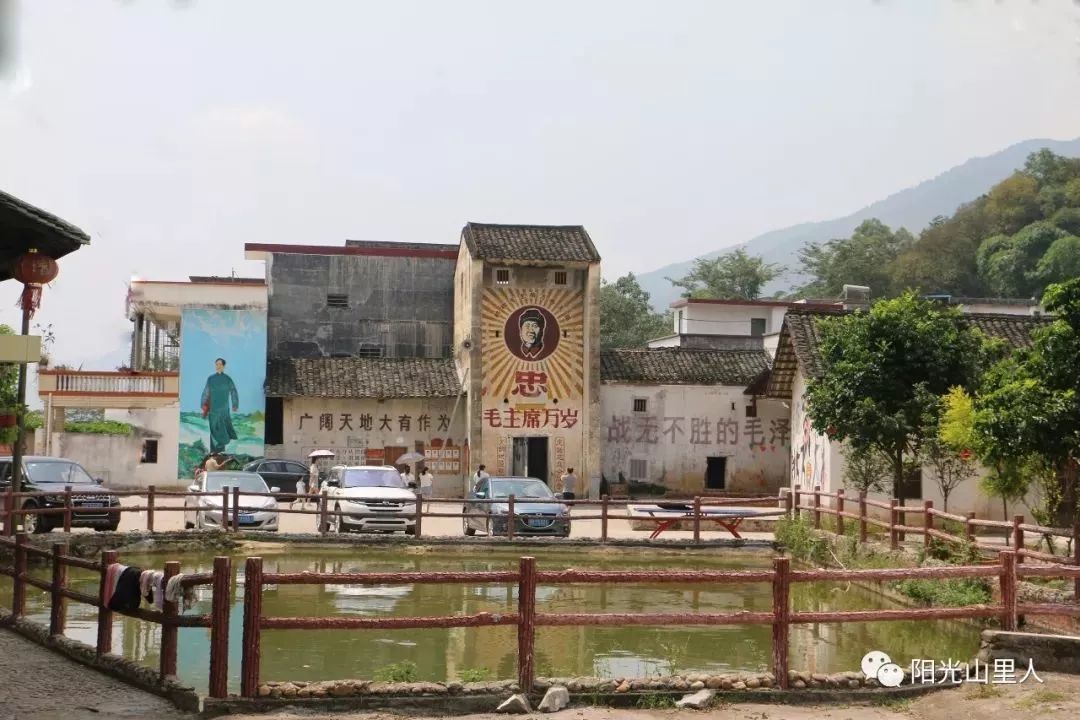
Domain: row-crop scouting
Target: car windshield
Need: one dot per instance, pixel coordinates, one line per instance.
(61, 473)
(372, 478)
(520, 489)
(244, 481)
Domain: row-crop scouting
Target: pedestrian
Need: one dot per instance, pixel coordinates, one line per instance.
(569, 484)
(214, 462)
(481, 474)
(427, 484)
(312, 480)
(407, 478)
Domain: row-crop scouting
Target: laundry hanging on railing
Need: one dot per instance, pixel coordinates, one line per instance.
(176, 592)
(125, 596)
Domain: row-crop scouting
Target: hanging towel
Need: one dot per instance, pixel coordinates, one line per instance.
(159, 590)
(177, 593)
(112, 575)
(145, 588)
(126, 595)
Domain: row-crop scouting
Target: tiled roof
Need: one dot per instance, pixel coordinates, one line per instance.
(530, 243)
(362, 378)
(682, 366)
(799, 343)
(26, 227)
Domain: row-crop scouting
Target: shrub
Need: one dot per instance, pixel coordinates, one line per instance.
(801, 541)
(953, 593)
(402, 672)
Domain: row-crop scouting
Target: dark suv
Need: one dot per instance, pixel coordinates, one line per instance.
(52, 475)
(282, 474)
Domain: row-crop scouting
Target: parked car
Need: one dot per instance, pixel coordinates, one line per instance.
(377, 492)
(530, 518)
(204, 511)
(282, 474)
(49, 474)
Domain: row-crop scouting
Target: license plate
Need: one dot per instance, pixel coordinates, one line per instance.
(539, 522)
(93, 505)
(247, 518)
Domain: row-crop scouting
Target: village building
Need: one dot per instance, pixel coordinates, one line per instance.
(818, 462)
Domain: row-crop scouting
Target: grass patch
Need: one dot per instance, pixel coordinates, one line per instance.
(655, 702)
(984, 691)
(801, 541)
(98, 427)
(474, 674)
(1039, 697)
(947, 593)
(402, 672)
(898, 704)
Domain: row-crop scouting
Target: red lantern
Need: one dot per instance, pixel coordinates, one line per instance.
(965, 454)
(33, 268)
(831, 430)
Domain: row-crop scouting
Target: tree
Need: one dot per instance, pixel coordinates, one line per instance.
(1014, 203)
(732, 276)
(883, 372)
(865, 258)
(865, 469)
(1028, 405)
(943, 259)
(1061, 261)
(627, 319)
(952, 467)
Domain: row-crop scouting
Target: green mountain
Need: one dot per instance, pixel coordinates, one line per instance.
(912, 208)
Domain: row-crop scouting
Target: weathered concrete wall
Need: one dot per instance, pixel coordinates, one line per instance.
(403, 305)
(683, 426)
(1047, 653)
(116, 459)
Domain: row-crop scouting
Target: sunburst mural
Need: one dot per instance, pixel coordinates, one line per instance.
(532, 344)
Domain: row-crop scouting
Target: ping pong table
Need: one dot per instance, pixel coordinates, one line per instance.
(667, 515)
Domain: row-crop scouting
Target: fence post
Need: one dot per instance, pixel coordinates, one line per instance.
(1018, 538)
(236, 509)
(969, 527)
(169, 632)
(1008, 590)
(526, 621)
(225, 509)
(150, 509)
(603, 518)
(840, 511)
(781, 591)
(862, 516)
(511, 518)
(58, 611)
(324, 514)
(894, 537)
(697, 518)
(795, 502)
(786, 494)
(249, 657)
(105, 616)
(419, 514)
(9, 513)
(927, 522)
(219, 627)
(18, 592)
(67, 508)
(1076, 559)
(817, 507)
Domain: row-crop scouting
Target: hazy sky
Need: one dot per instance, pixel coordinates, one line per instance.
(173, 133)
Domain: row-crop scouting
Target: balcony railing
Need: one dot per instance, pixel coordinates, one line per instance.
(131, 383)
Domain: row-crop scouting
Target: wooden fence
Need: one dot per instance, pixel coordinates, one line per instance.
(527, 619)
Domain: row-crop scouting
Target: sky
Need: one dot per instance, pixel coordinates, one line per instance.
(173, 132)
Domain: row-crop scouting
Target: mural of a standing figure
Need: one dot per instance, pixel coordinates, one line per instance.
(219, 401)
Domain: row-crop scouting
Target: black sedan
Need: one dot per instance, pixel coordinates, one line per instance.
(52, 475)
(531, 516)
(282, 474)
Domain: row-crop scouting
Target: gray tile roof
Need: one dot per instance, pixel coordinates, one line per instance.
(799, 343)
(24, 226)
(529, 243)
(682, 366)
(362, 378)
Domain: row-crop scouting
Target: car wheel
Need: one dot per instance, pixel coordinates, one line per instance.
(189, 525)
(410, 530)
(465, 526)
(33, 524)
(107, 528)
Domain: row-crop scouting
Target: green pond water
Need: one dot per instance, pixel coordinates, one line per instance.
(572, 651)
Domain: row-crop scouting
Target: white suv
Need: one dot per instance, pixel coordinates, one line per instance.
(370, 498)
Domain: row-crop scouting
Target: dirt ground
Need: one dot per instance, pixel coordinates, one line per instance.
(1057, 698)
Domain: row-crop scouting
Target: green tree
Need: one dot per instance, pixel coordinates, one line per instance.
(943, 259)
(1010, 264)
(731, 276)
(1067, 219)
(1061, 261)
(1014, 203)
(1051, 169)
(865, 258)
(883, 372)
(865, 468)
(627, 319)
(1028, 405)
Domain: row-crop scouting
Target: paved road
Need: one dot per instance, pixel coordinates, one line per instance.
(38, 684)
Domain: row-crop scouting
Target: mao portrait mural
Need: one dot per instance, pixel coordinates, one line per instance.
(222, 369)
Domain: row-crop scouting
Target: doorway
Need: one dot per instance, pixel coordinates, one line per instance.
(715, 473)
(531, 458)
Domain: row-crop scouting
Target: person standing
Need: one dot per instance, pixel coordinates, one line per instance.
(313, 480)
(427, 484)
(481, 474)
(407, 477)
(569, 484)
(214, 462)
(218, 395)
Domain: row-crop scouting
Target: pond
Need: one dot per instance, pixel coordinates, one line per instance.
(490, 652)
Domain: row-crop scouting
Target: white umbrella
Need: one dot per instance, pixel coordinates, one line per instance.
(409, 458)
(320, 454)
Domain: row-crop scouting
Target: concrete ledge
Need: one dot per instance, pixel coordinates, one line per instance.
(1052, 653)
(182, 696)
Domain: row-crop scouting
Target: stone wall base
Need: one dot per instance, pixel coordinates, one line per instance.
(1052, 653)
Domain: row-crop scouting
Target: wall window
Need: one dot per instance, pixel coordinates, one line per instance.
(149, 451)
(751, 410)
(559, 277)
(757, 326)
(502, 276)
(337, 300)
(641, 405)
(639, 469)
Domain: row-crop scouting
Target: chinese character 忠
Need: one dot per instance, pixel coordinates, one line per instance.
(530, 384)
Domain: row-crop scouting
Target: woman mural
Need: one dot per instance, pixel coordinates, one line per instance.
(218, 396)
